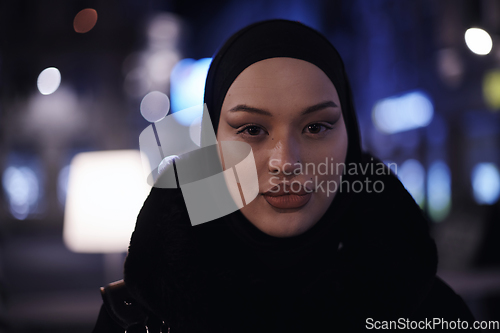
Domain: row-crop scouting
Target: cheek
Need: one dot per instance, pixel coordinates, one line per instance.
(333, 154)
(339, 152)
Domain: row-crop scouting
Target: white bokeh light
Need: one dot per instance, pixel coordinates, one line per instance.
(22, 189)
(478, 41)
(159, 65)
(155, 106)
(486, 183)
(104, 195)
(187, 83)
(403, 113)
(49, 80)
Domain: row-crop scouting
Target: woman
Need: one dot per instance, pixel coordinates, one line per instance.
(309, 258)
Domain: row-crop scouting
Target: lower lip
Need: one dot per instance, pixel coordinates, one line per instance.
(288, 200)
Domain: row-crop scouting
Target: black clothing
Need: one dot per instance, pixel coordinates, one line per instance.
(369, 256)
(227, 276)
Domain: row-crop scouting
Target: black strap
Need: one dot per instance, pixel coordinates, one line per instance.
(121, 306)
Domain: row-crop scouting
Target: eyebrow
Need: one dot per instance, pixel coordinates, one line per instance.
(320, 106)
(310, 109)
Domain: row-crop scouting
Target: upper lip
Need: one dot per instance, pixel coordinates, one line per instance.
(279, 190)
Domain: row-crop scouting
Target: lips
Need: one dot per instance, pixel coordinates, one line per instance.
(288, 200)
(287, 197)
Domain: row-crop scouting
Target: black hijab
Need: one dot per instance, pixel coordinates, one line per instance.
(369, 255)
(280, 38)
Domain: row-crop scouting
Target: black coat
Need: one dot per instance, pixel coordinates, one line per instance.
(371, 257)
(441, 302)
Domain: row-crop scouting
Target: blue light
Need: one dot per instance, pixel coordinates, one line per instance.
(402, 113)
(62, 184)
(486, 183)
(437, 131)
(22, 189)
(439, 190)
(411, 173)
(187, 86)
(392, 166)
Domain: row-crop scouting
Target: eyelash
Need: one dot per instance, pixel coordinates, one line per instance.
(327, 127)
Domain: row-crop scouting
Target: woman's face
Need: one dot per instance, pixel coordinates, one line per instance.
(289, 112)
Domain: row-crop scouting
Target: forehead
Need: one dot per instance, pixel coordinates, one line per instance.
(279, 83)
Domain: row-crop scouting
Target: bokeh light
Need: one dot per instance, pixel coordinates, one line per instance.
(22, 189)
(159, 65)
(450, 66)
(62, 185)
(164, 30)
(486, 183)
(49, 80)
(155, 106)
(85, 20)
(105, 193)
(439, 190)
(187, 83)
(491, 89)
(392, 165)
(402, 113)
(187, 117)
(137, 82)
(478, 41)
(411, 173)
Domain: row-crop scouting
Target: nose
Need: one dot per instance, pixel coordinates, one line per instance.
(285, 158)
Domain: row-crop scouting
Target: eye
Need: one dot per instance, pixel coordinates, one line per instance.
(316, 128)
(251, 130)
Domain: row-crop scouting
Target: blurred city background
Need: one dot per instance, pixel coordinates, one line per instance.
(80, 76)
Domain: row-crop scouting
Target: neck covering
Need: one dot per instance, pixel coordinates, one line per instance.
(369, 255)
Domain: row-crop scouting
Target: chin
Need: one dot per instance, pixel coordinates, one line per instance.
(285, 232)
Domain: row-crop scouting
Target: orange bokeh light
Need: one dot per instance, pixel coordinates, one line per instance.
(85, 20)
